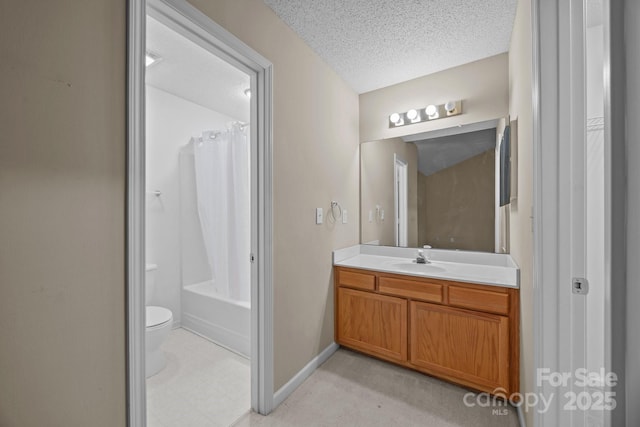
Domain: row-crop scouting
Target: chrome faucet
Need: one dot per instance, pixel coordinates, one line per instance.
(421, 258)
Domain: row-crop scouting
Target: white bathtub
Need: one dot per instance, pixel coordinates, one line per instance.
(220, 319)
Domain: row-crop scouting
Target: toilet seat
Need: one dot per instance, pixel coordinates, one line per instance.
(157, 316)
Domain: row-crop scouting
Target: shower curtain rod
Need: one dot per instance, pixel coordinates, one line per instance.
(214, 134)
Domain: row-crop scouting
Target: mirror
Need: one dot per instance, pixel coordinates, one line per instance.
(442, 188)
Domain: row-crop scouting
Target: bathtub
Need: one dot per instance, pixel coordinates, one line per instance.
(219, 319)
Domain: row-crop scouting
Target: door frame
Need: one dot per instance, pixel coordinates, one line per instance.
(558, 123)
(401, 189)
(190, 22)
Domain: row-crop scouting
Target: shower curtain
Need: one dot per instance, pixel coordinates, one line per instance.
(223, 198)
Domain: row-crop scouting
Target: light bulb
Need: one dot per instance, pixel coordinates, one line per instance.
(450, 107)
(412, 115)
(395, 118)
(431, 110)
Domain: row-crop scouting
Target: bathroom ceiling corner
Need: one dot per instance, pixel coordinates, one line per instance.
(377, 43)
(189, 71)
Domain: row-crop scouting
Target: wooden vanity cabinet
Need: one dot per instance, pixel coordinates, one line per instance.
(375, 324)
(460, 332)
(460, 344)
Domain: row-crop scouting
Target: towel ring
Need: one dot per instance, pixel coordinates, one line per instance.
(335, 205)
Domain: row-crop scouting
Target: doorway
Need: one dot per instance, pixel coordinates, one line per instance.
(198, 230)
(171, 183)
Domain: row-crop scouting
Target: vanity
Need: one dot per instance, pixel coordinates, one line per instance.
(455, 318)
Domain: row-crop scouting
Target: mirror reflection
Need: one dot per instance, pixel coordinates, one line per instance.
(446, 189)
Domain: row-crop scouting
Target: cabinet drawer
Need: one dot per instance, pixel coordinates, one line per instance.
(411, 289)
(478, 299)
(356, 280)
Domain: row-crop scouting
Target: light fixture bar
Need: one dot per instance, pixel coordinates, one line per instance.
(425, 114)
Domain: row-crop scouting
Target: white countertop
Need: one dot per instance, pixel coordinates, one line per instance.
(464, 266)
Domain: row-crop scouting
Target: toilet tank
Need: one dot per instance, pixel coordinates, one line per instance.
(150, 282)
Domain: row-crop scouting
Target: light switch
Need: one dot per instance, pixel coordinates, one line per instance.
(344, 216)
(381, 214)
(319, 215)
(370, 215)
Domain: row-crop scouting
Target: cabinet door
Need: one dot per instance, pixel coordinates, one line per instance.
(372, 323)
(460, 344)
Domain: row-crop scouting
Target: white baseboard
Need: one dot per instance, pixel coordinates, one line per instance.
(295, 382)
(521, 416)
(222, 336)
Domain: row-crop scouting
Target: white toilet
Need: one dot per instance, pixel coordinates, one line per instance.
(159, 321)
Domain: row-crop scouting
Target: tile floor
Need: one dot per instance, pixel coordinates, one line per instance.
(354, 390)
(203, 384)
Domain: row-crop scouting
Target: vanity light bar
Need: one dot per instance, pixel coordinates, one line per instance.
(426, 114)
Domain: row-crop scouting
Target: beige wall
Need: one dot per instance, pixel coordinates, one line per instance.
(62, 221)
(457, 205)
(376, 189)
(481, 85)
(316, 160)
(520, 65)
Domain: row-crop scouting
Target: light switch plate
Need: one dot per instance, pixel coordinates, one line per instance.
(344, 216)
(319, 215)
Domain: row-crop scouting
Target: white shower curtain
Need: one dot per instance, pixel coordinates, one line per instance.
(223, 194)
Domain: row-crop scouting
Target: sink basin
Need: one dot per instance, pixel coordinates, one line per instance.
(412, 267)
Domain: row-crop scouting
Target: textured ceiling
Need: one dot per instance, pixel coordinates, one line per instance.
(191, 72)
(375, 43)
